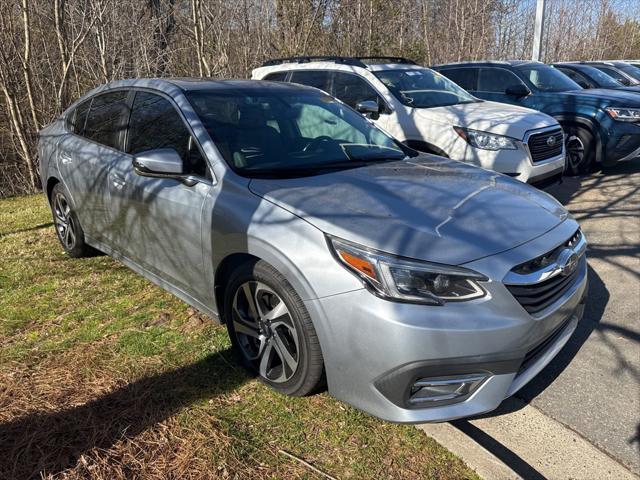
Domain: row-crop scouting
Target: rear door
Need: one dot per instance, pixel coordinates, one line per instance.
(85, 158)
(159, 220)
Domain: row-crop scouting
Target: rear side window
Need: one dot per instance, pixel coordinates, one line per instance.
(577, 77)
(79, 118)
(467, 78)
(276, 77)
(105, 120)
(155, 123)
(496, 80)
(352, 89)
(311, 78)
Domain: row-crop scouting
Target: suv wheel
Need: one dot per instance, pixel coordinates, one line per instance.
(271, 330)
(67, 226)
(580, 151)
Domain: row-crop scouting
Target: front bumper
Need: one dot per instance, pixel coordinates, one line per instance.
(375, 349)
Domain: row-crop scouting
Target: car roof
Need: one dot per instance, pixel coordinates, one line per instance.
(372, 63)
(477, 63)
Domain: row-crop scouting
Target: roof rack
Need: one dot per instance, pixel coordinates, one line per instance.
(355, 61)
(311, 58)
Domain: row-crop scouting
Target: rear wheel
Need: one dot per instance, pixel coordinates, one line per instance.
(271, 330)
(67, 226)
(580, 151)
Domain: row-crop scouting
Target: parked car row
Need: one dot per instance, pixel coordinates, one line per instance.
(428, 112)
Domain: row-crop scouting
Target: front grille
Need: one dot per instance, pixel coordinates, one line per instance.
(539, 145)
(535, 297)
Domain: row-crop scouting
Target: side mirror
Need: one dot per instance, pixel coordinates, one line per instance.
(370, 108)
(625, 81)
(583, 84)
(519, 90)
(161, 162)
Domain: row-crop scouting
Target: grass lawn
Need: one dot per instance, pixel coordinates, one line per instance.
(104, 375)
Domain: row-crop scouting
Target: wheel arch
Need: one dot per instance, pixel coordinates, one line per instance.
(224, 270)
(51, 182)
(587, 124)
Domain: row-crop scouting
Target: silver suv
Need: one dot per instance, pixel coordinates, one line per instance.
(411, 283)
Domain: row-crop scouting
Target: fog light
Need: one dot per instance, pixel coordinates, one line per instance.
(437, 389)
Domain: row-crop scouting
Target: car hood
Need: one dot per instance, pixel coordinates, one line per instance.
(427, 207)
(611, 97)
(494, 117)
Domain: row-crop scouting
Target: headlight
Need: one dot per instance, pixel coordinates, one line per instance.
(408, 280)
(624, 114)
(484, 140)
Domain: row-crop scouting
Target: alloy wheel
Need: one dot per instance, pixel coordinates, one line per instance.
(65, 225)
(575, 153)
(265, 331)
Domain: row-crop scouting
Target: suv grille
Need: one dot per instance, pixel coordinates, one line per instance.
(535, 297)
(545, 145)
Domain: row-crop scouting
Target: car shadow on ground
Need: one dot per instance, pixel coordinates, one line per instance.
(48, 442)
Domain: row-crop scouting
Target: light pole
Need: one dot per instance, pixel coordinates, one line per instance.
(538, 31)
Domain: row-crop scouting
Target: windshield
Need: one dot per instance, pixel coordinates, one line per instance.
(632, 71)
(547, 79)
(423, 88)
(602, 79)
(279, 134)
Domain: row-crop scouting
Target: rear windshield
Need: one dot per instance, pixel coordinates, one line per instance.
(423, 88)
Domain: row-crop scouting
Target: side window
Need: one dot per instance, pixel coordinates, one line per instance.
(467, 78)
(155, 123)
(79, 117)
(352, 89)
(314, 121)
(276, 76)
(105, 120)
(311, 78)
(496, 80)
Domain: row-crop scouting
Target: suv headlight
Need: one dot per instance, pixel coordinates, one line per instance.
(408, 280)
(485, 140)
(624, 114)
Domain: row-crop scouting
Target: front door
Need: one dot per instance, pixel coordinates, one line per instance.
(159, 220)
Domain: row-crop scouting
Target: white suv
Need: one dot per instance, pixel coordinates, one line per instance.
(430, 113)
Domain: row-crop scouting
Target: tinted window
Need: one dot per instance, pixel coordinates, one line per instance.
(105, 120)
(313, 79)
(576, 77)
(496, 80)
(276, 77)
(467, 78)
(155, 123)
(352, 89)
(79, 117)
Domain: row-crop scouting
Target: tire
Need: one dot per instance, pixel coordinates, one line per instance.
(581, 151)
(279, 345)
(67, 225)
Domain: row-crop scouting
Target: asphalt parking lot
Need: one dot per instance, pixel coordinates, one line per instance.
(593, 386)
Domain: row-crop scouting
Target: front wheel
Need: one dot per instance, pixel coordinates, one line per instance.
(271, 330)
(580, 151)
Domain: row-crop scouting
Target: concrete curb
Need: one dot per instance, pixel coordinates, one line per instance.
(525, 444)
